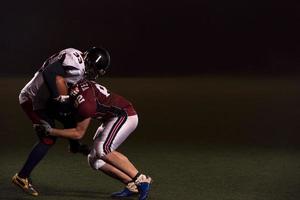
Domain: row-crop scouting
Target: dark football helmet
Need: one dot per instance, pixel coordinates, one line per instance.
(96, 60)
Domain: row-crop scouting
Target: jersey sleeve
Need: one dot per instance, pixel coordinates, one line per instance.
(73, 65)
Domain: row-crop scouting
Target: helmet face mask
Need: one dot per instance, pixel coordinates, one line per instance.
(91, 73)
(96, 61)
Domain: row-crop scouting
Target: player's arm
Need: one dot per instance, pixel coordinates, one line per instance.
(54, 78)
(61, 85)
(72, 133)
(86, 107)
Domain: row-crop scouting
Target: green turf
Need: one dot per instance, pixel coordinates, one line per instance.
(210, 138)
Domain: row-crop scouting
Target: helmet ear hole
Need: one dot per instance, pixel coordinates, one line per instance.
(102, 72)
(97, 61)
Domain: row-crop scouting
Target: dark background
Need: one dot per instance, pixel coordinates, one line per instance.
(156, 37)
(211, 81)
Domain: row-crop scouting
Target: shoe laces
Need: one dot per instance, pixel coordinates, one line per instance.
(29, 181)
(132, 187)
(143, 179)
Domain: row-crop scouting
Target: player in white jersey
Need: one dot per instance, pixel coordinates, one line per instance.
(45, 98)
(67, 63)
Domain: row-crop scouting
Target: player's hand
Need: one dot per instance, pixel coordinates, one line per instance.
(76, 147)
(43, 129)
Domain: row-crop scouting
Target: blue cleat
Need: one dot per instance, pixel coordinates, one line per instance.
(124, 193)
(144, 189)
(128, 191)
(143, 184)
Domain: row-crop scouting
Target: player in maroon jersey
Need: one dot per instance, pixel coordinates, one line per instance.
(93, 101)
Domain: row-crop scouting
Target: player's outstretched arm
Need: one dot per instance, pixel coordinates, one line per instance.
(72, 133)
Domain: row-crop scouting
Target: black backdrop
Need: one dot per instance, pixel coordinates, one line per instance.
(156, 37)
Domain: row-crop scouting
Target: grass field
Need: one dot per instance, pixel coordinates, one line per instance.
(210, 138)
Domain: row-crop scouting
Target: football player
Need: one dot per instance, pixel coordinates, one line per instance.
(119, 120)
(45, 99)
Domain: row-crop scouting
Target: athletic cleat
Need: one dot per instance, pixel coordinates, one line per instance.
(143, 183)
(128, 191)
(124, 193)
(25, 184)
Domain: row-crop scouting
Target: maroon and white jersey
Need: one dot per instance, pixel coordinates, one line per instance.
(94, 100)
(73, 66)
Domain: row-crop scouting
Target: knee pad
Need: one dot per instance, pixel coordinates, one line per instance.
(101, 154)
(94, 162)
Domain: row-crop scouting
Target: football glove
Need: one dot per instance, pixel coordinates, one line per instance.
(43, 129)
(76, 147)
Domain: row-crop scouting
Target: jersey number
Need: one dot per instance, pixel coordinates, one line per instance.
(102, 89)
(78, 57)
(79, 100)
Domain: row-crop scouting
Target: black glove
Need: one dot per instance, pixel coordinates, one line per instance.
(84, 149)
(76, 147)
(43, 129)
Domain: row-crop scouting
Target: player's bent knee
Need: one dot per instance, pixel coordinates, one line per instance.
(95, 163)
(102, 150)
(100, 153)
(98, 164)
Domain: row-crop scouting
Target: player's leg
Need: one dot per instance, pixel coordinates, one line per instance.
(40, 149)
(141, 181)
(114, 134)
(121, 162)
(130, 188)
(37, 153)
(98, 164)
(22, 178)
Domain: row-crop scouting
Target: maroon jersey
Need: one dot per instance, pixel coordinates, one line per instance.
(95, 101)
